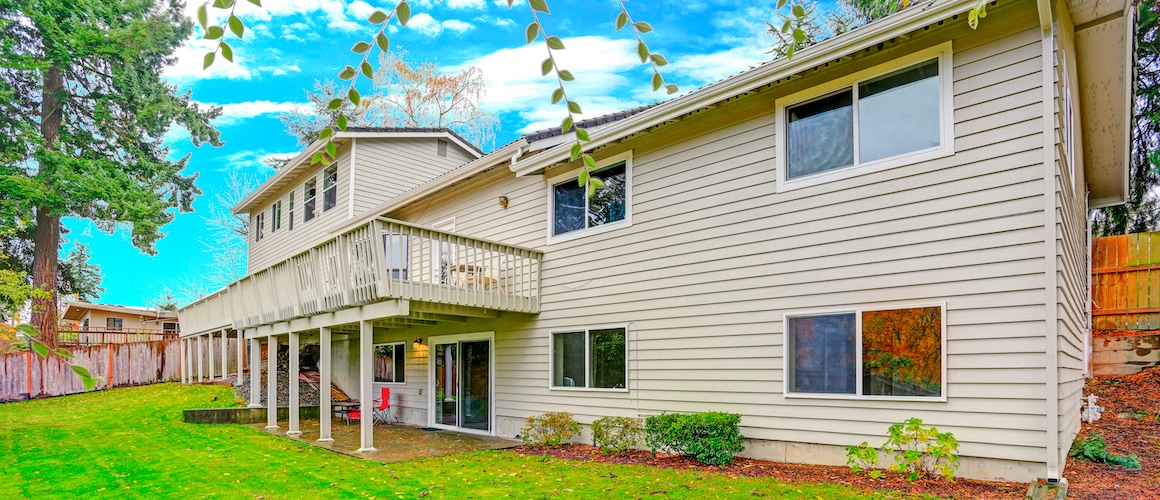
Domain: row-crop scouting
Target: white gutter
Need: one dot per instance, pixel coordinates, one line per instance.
(866, 36)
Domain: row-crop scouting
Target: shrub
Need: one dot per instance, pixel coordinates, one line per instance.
(550, 429)
(616, 434)
(711, 437)
(863, 458)
(1093, 449)
(922, 450)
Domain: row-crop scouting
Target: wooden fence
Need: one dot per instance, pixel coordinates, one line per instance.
(1126, 282)
(26, 375)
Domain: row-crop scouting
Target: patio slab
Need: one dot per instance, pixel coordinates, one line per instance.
(396, 442)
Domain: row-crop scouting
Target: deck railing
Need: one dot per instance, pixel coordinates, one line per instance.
(382, 259)
(95, 335)
(210, 313)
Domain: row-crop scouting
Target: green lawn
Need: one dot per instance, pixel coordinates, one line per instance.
(131, 443)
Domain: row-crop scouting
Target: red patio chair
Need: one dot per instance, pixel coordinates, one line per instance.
(382, 412)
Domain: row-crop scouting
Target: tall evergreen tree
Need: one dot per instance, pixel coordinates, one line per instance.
(82, 115)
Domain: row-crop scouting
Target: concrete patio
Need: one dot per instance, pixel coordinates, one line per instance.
(394, 443)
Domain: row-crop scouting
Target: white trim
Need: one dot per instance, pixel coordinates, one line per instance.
(472, 150)
(405, 376)
(626, 157)
(489, 336)
(787, 359)
(946, 120)
(350, 178)
(587, 358)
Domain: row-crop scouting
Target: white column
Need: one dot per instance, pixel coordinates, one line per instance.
(324, 412)
(366, 364)
(225, 354)
(181, 352)
(199, 358)
(255, 373)
(241, 357)
(272, 383)
(292, 379)
(209, 360)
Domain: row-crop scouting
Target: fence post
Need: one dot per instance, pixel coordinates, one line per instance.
(28, 368)
(110, 348)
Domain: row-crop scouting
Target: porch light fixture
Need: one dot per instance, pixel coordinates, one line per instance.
(503, 202)
(419, 340)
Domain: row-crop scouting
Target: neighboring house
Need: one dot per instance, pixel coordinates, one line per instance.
(892, 224)
(86, 323)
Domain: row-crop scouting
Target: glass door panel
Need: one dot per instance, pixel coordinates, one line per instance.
(474, 408)
(446, 384)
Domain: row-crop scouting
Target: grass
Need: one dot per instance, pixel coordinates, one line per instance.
(131, 443)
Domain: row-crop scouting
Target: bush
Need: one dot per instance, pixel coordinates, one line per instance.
(863, 458)
(550, 429)
(917, 450)
(616, 434)
(1093, 449)
(711, 437)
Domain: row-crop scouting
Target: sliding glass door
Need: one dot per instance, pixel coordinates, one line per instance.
(461, 382)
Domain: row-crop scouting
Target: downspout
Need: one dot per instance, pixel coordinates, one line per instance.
(1051, 287)
(350, 178)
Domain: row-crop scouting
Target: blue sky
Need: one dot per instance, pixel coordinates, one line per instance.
(291, 43)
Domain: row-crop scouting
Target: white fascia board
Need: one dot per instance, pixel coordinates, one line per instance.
(412, 135)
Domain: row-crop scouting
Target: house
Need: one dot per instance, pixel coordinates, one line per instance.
(87, 323)
(891, 224)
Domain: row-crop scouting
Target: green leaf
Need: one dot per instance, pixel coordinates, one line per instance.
(621, 20)
(202, 16)
(214, 32)
(383, 42)
(789, 51)
(532, 32)
(227, 51)
(799, 11)
(657, 81)
(539, 6)
(316, 159)
(41, 349)
(566, 125)
(88, 382)
(781, 4)
(555, 43)
(27, 329)
(377, 17)
(354, 97)
(566, 76)
(546, 66)
(576, 150)
(361, 48)
(347, 73)
(584, 177)
(256, 2)
(671, 89)
(574, 107)
(404, 12)
(596, 183)
(236, 26)
(331, 150)
(642, 51)
(799, 35)
(334, 104)
(64, 353)
(658, 59)
(341, 122)
(80, 370)
(208, 60)
(643, 27)
(557, 95)
(786, 26)
(581, 134)
(367, 70)
(325, 134)
(589, 161)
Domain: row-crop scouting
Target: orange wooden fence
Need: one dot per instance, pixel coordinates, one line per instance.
(25, 375)
(1126, 282)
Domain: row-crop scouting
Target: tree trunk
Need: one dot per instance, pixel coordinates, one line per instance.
(46, 239)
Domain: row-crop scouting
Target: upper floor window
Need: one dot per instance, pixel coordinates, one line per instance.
(259, 226)
(575, 210)
(114, 324)
(290, 213)
(329, 188)
(308, 199)
(890, 115)
(276, 215)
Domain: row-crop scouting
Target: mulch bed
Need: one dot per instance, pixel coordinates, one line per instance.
(1129, 425)
(960, 488)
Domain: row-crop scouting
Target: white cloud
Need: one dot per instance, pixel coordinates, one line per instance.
(250, 159)
(428, 26)
(466, 4)
(504, 3)
(190, 60)
(360, 9)
(233, 113)
(457, 26)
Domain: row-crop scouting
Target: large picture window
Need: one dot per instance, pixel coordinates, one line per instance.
(590, 358)
(390, 363)
(889, 115)
(894, 353)
(575, 210)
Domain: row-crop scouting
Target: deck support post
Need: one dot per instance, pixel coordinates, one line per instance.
(181, 360)
(255, 373)
(324, 385)
(225, 354)
(292, 381)
(210, 359)
(366, 365)
(272, 382)
(199, 358)
(241, 357)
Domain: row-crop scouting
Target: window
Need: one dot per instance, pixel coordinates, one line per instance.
(575, 211)
(259, 226)
(887, 116)
(881, 353)
(390, 363)
(114, 324)
(276, 215)
(592, 358)
(85, 325)
(169, 327)
(290, 213)
(329, 187)
(308, 192)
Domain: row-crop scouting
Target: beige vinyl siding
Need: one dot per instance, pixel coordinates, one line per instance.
(1072, 243)
(387, 168)
(715, 257)
(282, 244)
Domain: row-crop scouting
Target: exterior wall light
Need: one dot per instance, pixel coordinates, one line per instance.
(503, 202)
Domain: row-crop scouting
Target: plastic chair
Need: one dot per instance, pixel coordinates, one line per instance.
(380, 413)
